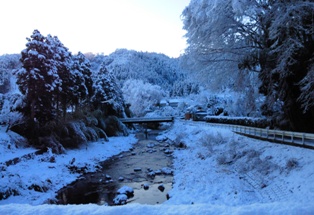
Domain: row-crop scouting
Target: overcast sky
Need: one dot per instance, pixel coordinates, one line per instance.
(98, 26)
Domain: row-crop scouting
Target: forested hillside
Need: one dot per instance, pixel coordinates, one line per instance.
(153, 68)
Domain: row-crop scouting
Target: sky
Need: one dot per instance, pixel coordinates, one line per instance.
(98, 26)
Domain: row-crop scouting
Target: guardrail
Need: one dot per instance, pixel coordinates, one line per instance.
(287, 137)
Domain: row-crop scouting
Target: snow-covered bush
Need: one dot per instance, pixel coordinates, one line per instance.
(292, 163)
(8, 105)
(8, 63)
(142, 96)
(245, 103)
(210, 139)
(114, 127)
(231, 103)
(166, 111)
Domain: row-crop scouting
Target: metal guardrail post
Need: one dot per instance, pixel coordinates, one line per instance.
(260, 132)
(292, 140)
(302, 139)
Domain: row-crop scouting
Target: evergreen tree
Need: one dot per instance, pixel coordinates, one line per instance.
(62, 58)
(287, 72)
(38, 78)
(83, 83)
(107, 94)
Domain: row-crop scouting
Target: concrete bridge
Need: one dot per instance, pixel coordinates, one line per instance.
(146, 120)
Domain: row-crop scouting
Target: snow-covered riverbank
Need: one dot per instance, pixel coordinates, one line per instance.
(218, 172)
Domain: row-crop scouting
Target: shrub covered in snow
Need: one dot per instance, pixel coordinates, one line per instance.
(231, 103)
(245, 121)
(8, 63)
(9, 103)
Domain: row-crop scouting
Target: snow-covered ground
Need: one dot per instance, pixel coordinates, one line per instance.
(218, 172)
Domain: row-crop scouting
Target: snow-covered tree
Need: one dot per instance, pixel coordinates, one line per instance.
(217, 40)
(46, 78)
(307, 90)
(38, 78)
(83, 83)
(184, 88)
(274, 38)
(287, 72)
(62, 58)
(107, 94)
(8, 63)
(10, 97)
(142, 96)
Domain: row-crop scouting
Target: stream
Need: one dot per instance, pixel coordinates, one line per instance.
(146, 168)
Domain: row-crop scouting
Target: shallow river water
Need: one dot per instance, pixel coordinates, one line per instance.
(146, 168)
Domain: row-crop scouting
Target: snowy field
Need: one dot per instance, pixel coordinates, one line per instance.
(217, 172)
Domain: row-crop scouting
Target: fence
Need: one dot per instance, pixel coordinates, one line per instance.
(288, 137)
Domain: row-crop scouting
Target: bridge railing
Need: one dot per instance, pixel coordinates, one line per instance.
(289, 137)
(147, 120)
